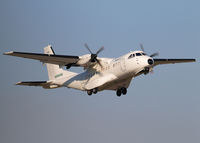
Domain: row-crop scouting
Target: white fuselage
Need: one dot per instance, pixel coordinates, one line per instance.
(118, 71)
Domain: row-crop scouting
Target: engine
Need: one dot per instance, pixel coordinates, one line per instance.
(84, 60)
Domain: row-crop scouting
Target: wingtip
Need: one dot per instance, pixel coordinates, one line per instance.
(8, 53)
(18, 83)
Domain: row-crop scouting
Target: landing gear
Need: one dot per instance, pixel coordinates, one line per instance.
(146, 71)
(124, 90)
(89, 92)
(121, 91)
(95, 90)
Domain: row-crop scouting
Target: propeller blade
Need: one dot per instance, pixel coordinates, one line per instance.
(86, 46)
(154, 54)
(94, 56)
(99, 63)
(101, 49)
(141, 47)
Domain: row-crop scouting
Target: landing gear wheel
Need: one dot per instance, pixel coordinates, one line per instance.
(124, 90)
(95, 90)
(89, 92)
(119, 93)
(146, 71)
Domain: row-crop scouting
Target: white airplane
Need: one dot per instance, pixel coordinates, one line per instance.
(100, 73)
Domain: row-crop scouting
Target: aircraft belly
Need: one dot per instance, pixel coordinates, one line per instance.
(116, 84)
(76, 85)
(75, 82)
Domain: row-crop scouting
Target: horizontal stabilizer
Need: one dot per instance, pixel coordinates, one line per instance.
(44, 84)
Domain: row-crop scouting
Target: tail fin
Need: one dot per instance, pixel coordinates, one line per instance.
(54, 71)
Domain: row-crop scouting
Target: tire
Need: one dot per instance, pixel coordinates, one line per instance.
(95, 91)
(119, 93)
(124, 91)
(89, 92)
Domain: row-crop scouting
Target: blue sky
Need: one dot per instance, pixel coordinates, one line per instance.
(159, 107)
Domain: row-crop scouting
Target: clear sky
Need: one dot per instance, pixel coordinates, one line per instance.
(161, 107)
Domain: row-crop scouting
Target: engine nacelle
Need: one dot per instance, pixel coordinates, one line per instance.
(84, 60)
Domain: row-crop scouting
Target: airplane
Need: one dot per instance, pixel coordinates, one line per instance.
(99, 73)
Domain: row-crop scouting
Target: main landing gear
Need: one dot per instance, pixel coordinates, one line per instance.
(121, 91)
(95, 90)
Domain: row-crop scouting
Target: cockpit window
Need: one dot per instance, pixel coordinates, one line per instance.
(131, 56)
(138, 54)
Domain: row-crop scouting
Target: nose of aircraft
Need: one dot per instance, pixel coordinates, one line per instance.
(150, 61)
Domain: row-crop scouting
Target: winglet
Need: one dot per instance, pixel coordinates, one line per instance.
(8, 53)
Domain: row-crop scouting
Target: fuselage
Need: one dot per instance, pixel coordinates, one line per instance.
(123, 68)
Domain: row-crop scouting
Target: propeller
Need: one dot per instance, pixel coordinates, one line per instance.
(152, 55)
(141, 47)
(147, 70)
(94, 55)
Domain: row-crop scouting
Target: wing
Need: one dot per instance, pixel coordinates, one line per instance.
(62, 60)
(172, 61)
(100, 81)
(44, 84)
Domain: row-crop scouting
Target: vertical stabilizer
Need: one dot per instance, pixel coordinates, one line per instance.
(54, 71)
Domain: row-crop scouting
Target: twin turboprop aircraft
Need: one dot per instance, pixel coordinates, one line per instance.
(99, 73)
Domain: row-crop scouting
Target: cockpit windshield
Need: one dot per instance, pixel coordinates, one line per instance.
(131, 56)
(138, 54)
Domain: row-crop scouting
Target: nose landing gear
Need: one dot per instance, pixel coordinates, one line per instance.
(146, 70)
(121, 91)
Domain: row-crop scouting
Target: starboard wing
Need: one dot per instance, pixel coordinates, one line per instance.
(172, 61)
